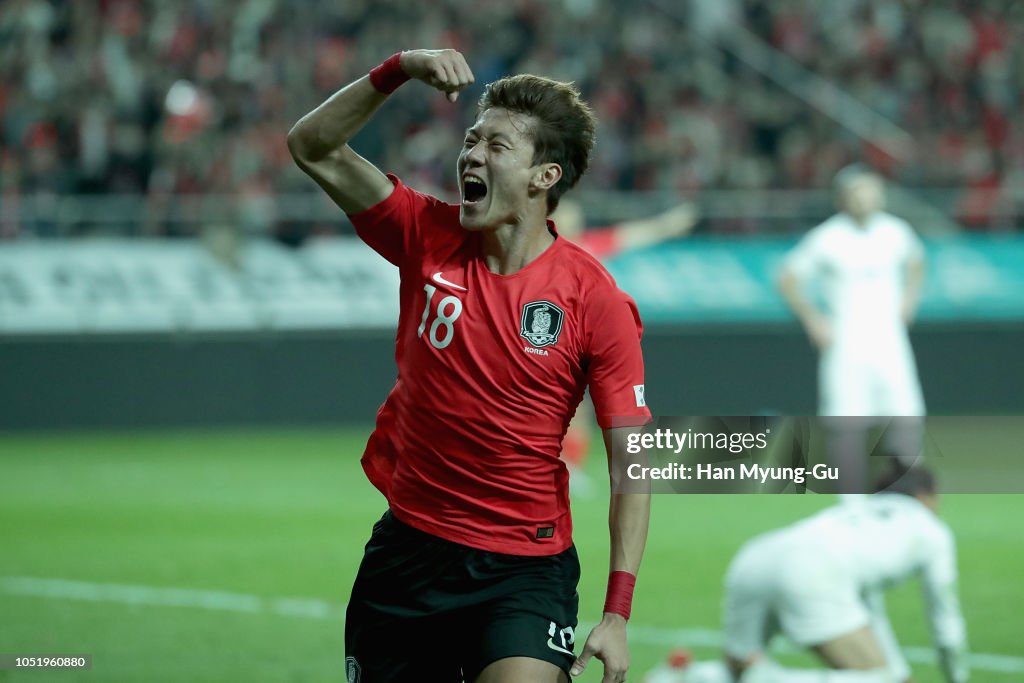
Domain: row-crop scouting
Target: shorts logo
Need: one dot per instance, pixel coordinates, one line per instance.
(638, 393)
(566, 638)
(353, 672)
(541, 323)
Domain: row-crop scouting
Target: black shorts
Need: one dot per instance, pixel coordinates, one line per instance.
(426, 609)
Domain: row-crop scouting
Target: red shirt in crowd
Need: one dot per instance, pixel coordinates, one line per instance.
(602, 243)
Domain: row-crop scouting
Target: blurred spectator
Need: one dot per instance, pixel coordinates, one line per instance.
(194, 97)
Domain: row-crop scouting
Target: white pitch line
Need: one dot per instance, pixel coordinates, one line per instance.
(701, 637)
(313, 608)
(154, 596)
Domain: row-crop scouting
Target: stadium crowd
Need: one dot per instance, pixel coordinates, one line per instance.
(195, 96)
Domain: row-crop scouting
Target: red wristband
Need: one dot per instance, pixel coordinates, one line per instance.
(619, 598)
(388, 75)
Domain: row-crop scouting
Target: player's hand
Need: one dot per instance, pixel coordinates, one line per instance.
(445, 70)
(819, 329)
(607, 642)
(679, 220)
(908, 311)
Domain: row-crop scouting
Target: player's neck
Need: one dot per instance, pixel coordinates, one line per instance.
(510, 248)
(860, 220)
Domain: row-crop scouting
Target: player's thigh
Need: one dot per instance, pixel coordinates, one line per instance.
(522, 670)
(843, 386)
(546, 636)
(381, 646)
(402, 652)
(898, 390)
(528, 611)
(903, 439)
(392, 632)
(399, 564)
(857, 650)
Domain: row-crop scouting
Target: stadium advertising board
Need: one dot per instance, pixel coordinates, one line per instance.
(139, 286)
(720, 280)
(133, 286)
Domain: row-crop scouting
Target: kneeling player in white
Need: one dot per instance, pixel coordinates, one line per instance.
(820, 582)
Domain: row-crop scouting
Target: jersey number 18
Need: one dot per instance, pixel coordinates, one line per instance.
(442, 319)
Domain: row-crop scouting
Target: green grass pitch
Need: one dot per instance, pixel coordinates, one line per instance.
(285, 513)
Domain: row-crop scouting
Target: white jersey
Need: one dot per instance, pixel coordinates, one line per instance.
(861, 272)
(882, 541)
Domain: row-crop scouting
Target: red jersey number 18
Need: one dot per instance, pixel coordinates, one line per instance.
(442, 319)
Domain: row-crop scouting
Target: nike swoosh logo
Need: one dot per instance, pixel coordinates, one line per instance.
(556, 648)
(441, 281)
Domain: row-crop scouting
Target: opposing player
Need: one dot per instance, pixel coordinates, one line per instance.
(471, 574)
(870, 265)
(820, 581)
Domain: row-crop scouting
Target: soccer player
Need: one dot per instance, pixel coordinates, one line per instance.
(870, 265)
(471, 573)
(820, 581)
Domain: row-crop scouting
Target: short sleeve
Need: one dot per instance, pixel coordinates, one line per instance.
(913, 248)
(615, 362)
(393, 227)
(805, 258)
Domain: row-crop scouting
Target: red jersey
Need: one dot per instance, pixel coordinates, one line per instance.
(490, 370)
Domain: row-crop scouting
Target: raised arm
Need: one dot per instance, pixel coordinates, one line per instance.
(645, 232)
(628, 519)
(319, 141)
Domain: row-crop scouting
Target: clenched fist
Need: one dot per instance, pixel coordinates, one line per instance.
(445, 70)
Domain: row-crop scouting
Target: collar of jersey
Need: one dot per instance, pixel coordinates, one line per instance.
(529, 267)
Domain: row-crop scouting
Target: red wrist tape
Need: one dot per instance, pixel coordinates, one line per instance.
(619, 598)
(388, 75)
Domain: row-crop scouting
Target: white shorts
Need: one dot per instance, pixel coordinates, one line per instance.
(882, 384)
(773, 586)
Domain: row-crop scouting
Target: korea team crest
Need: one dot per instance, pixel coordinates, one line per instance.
(541, 323)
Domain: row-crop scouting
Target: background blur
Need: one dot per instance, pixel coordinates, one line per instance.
(164, 266)
(155, 230)
(148, 104)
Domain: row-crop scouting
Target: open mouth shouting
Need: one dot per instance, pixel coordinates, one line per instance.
(473, 189)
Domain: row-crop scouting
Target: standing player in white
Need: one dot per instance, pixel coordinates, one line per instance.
(870, 265)
(820, 582)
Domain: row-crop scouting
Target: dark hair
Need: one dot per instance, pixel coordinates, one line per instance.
(565, 125)
(910, 481)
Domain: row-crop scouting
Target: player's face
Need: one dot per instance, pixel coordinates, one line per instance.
(864, 196)
(496, 170)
